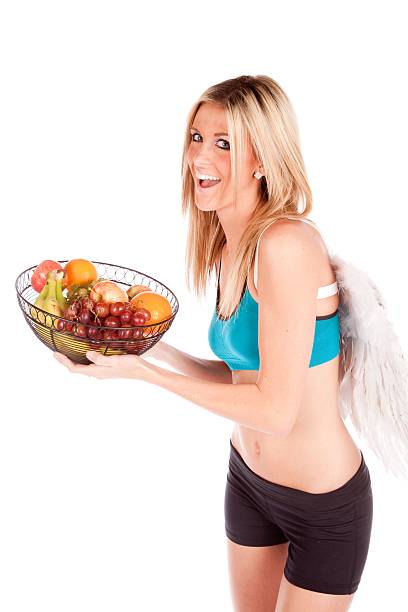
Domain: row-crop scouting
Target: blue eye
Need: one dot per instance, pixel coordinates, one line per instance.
(226, 142)
(219, 140)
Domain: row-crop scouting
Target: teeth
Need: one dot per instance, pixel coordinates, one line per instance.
(207, 176)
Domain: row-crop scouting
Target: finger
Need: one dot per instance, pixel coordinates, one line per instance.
(78, 368)
(99, 359)
(62, 359)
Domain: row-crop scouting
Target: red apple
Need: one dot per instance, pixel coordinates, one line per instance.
(39, 277)
(108, 291)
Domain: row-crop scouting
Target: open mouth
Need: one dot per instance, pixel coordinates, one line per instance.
(206, 183)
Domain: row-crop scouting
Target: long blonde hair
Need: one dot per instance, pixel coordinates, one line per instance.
(259, 112)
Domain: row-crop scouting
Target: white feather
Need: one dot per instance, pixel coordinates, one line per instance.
(373, 374)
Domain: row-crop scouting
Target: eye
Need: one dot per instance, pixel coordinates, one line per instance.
(226, 148)
(226, 142)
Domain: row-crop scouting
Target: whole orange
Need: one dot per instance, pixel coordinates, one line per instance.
(158, 306)
(79, 272)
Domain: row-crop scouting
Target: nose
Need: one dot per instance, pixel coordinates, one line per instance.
(204, 156)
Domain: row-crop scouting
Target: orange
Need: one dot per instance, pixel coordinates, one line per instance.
(158, 306)
(79, 272)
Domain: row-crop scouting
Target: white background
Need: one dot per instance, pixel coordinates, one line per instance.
(112, 491)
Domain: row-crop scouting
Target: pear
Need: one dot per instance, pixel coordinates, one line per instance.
(135, 289)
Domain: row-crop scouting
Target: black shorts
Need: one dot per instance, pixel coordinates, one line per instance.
(328, 533)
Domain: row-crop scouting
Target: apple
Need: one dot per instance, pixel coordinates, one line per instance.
(39, 277)
(108, 291)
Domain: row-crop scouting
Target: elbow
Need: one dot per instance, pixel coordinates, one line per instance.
(286, 430)
(281, 432)
(280, 418)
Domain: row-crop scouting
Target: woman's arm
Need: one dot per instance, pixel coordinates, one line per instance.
(213, 370)
(243, 403)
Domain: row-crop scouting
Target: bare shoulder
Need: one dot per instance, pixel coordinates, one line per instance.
(297, 249)
(290, 234)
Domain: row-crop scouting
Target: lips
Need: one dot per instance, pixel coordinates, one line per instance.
(205, 184)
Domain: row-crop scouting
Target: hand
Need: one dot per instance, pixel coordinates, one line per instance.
(104, 366)
(156, 351)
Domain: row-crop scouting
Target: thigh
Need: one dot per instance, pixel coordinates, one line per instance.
(329, 539)
(292, 598)
(257, 547)
(255, 574)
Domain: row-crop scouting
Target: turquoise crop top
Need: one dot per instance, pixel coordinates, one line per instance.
(235, 339)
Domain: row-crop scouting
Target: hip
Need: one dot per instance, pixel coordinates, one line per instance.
(315, 461)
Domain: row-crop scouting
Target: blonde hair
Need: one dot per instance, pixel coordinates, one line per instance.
(258, 112)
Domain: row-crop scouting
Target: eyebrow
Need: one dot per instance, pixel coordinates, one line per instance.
(215, 133)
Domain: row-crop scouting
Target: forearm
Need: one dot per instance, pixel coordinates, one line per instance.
(206, 369)
(241, 403)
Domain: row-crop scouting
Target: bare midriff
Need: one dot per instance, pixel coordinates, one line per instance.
(319, 454)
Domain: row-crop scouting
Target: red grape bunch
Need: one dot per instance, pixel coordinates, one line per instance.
(104, 321)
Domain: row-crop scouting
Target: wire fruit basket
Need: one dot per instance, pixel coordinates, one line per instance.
(75, 339)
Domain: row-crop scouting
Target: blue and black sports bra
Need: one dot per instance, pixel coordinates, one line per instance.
(235, 339)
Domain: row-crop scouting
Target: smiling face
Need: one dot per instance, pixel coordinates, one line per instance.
(209, 154)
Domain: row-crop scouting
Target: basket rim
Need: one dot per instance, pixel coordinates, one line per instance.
(56, 317)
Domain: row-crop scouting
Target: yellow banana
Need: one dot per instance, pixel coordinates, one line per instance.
(62, 301)
(47, 300)
(39, 303)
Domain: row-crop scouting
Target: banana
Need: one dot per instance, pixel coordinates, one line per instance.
(51, 304)
(62, 301)
(47, 300)
(39, 303)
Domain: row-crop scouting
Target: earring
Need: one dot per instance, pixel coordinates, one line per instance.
(258, 175)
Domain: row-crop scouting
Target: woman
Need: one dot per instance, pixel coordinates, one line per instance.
(298, 500)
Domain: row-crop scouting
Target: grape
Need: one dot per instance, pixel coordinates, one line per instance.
(137, 319)
(84, 316)
(112, 322)
(116, 308)
(137, 333)
(60, 325)
(125, 333)
(125, 316)
(71, 311)
(109, 334)
(144, 312)
(102, 309)
(80, 330)
(86, 303)
(69, 326)
(93, 332)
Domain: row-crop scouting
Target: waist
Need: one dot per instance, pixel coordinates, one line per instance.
(315, 460)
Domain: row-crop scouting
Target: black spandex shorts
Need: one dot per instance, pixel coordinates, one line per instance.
(328, 533)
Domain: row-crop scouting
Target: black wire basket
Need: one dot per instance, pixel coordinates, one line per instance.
(45, 325)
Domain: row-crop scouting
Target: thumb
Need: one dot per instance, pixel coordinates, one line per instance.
(97, 358)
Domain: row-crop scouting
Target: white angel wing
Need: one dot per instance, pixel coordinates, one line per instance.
(373, 379)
